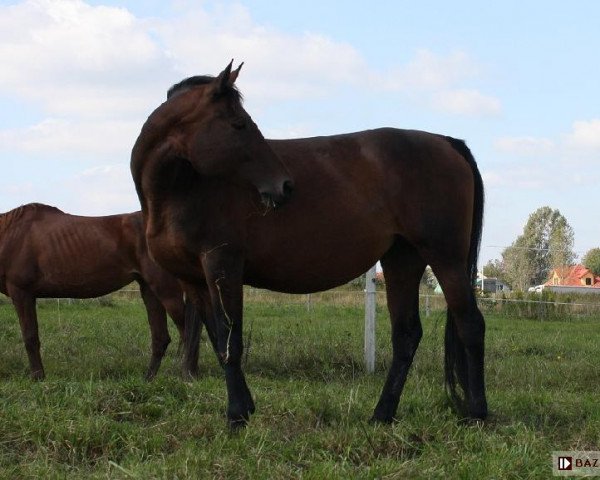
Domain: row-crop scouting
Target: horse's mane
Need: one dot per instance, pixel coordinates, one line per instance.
(190, 82)
(8, 218)
(157, 123)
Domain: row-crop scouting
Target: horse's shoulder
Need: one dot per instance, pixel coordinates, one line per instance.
(132, 220)
(132, 227)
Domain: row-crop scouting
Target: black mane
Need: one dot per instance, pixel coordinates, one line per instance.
(190, 82)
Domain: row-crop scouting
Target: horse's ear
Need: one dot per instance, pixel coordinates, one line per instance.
(226, 78)
(234, 75)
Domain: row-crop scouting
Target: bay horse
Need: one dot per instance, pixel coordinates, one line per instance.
(45, 252)
(224, 207)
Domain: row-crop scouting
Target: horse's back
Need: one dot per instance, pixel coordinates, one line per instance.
(390, 173)
(57, 254)
(389, 148)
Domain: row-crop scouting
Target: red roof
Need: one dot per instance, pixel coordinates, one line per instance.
(571, 276)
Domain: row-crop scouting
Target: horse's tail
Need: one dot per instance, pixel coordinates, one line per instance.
(195, 317)
(191, 339)
(455, 355)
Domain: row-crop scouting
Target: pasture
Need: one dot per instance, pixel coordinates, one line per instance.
(95, 417)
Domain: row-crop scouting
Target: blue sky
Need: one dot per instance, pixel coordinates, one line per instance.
(518, 81)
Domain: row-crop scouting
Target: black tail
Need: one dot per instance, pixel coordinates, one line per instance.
(191, 342)
(455, 356)
(195, 317)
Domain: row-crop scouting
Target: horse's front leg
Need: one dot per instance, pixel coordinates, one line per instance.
(24, 303)
(224, 275)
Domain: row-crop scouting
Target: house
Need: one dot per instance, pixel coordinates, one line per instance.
(573, 279)
(490, 284)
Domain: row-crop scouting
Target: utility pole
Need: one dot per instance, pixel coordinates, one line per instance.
(370, 304)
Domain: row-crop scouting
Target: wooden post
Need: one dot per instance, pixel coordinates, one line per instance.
(370, 320)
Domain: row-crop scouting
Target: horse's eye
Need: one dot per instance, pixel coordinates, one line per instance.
(239, 124)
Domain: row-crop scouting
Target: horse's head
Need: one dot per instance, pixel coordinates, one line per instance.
(203, 122)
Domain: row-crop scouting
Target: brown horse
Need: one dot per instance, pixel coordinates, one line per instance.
(45, 252)
(407, 198)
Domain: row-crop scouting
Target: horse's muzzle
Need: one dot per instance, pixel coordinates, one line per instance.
(275, 199)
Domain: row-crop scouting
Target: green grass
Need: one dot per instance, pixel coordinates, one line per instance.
(94, 416)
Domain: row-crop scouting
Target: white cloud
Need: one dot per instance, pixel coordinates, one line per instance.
(585, 134)
(525, 145)
(98, 61)
(428, 71)
(13, 195)
(466, 102)
(579, 147)
(101, 138)
(433, 79)
(570, 159)
(515, 177)
(73, 58)
(99, 190)
(102, 190)
(280, 65)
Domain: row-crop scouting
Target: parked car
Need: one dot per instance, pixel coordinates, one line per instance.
(536, 289)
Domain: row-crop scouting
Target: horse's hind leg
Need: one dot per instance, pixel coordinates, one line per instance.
(403, 269)
(464, 344)
(157, 318)
(25, 306)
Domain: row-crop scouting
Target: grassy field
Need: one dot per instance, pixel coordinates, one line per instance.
(94, 416)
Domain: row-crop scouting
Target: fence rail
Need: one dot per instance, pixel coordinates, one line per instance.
(560, 307)
(531, 306)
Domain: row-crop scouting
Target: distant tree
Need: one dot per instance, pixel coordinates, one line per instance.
(560, 243)
(546, 243)
(494, 269)
(591, 260)
(518, 264)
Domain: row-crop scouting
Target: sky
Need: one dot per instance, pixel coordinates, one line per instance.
(519, 81)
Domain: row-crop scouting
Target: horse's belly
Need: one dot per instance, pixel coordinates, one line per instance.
(311, 266)
(76, 291)
(82, 277)
(80, 283)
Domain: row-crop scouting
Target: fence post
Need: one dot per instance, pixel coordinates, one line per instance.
(370, 303)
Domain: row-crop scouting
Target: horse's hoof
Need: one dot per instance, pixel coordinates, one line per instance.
(478, 413)
(239, 417)
(38, 375)
(378, 420)
(190, 375)
(236, 425)
(471, 422)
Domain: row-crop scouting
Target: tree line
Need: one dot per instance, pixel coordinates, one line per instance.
(545, 244)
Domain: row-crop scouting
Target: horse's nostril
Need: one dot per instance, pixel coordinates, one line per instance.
(288, 188)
